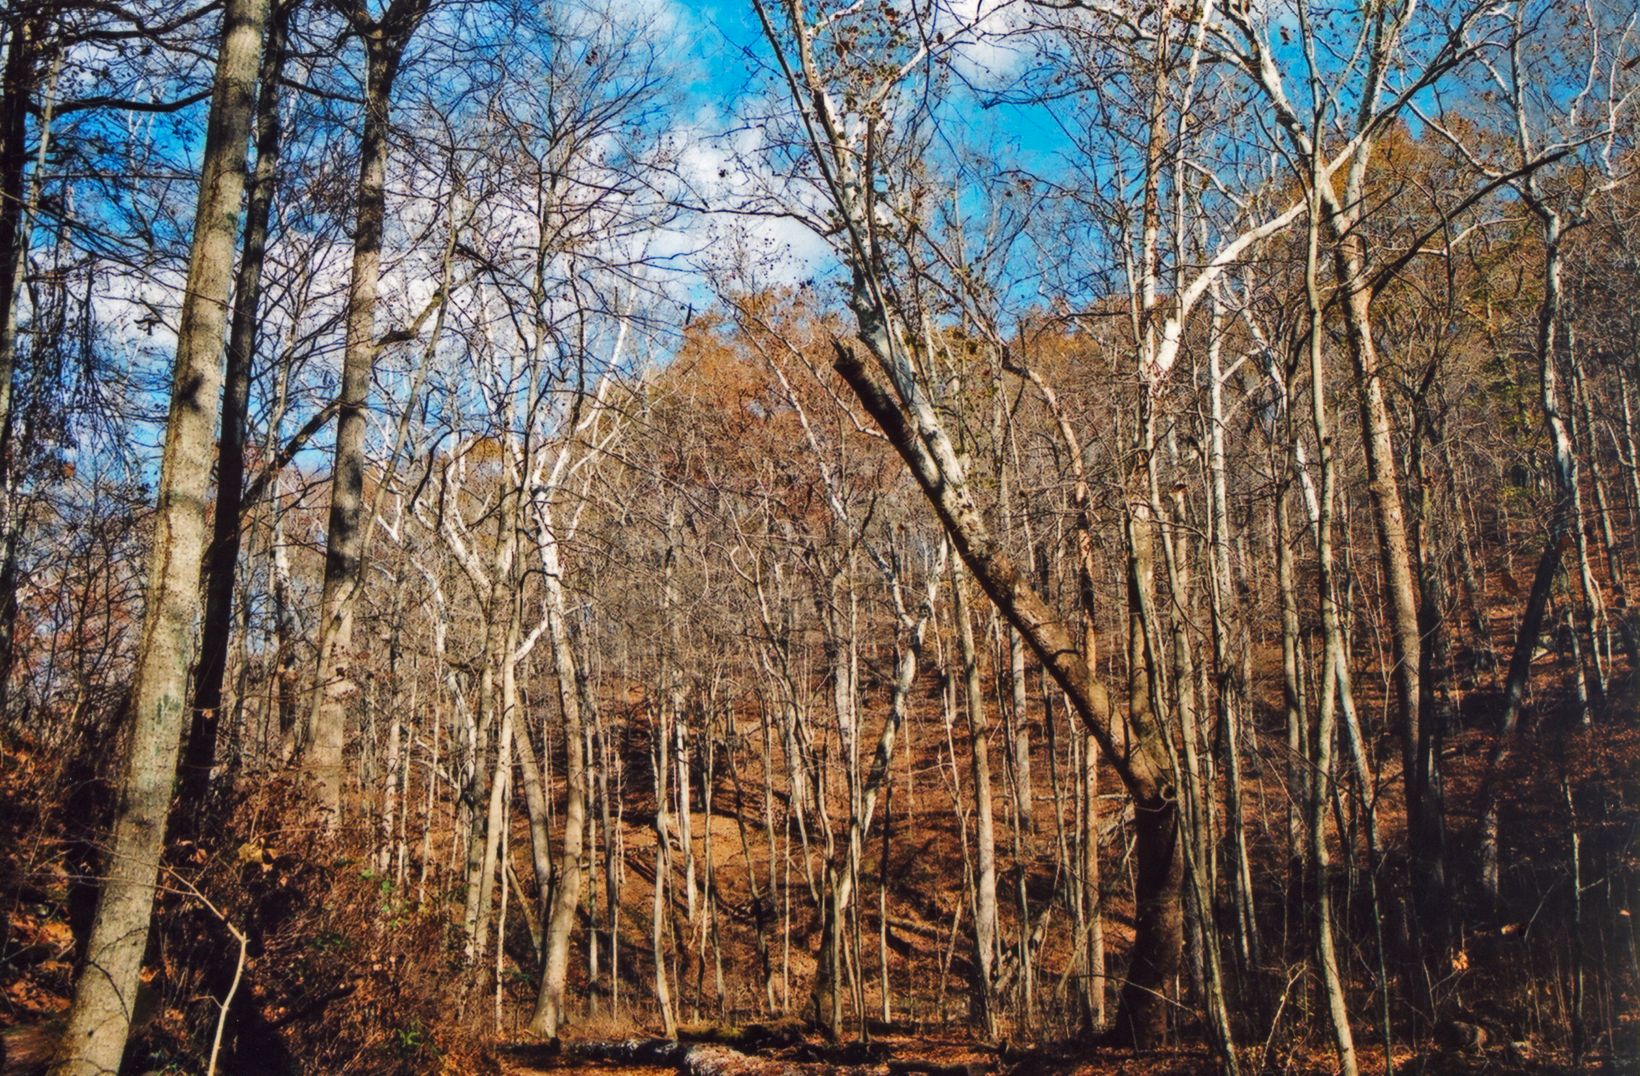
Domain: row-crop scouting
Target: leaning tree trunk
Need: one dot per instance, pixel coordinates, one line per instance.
(1139, 759)
(100, 1019)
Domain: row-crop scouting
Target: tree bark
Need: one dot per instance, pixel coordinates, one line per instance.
(385, 40)
(549, 1006)
(979, 758)
(18, 84)
(1418, 759)
(1334, 656)
(1229, 692)
(1158, 924)
(105, 995)
(18, 80)
(222, 556)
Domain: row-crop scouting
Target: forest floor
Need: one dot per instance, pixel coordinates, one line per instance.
(931, 1051)
(1569, 785)
(1513, 970)
(1508, 973)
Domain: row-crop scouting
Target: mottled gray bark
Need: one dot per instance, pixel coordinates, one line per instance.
(385, 40)
(106, 992)
(222, 557)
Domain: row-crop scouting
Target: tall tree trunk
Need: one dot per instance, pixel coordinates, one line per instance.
(18, 83)
(497, 810)
(1596, 624)
(1631, 445)
(613, 863)
(481, 797)
(17, 213)
(1485, 656)
(535, 795)
(1020, 740)
(17, 88)
(286, 628)
(1093, 914)
(1158, 923)
(222, 556)
(1229, 692)
(566, 895)
(1395, 561)
(1335, 653)
(1615, 571)
(826, 1002)
(501, 632)
(1200, 860)
(105, 995)
(333, 687)
(979, 733)
(660, 761)
(1563, 466)
(1292, 674)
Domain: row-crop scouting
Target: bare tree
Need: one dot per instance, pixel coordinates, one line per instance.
(385, 39)
(106, 992)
